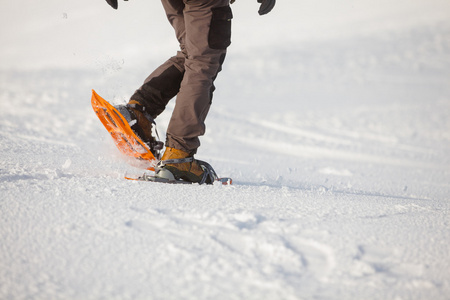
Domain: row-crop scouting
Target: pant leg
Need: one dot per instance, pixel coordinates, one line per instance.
(164, 83)
(207, 35)
(160, 86)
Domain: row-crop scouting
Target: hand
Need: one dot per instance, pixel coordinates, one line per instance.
(113, 3)
(266, 6)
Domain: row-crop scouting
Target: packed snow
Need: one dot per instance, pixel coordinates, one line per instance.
(332, 118)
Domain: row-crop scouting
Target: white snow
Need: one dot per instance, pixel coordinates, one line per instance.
(332, 117)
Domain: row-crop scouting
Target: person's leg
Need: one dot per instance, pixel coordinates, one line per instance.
(164, 83)
(207, 35)
(161, 85)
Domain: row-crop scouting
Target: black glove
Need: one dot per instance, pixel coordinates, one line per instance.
(266, 6)
(113, 3)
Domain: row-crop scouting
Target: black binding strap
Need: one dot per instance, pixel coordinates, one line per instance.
(162, 163)
(143, 110)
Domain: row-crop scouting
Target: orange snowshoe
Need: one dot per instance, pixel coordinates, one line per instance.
(126, 140)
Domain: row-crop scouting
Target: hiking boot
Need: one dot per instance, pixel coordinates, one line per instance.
(180, 165)
(141, 123)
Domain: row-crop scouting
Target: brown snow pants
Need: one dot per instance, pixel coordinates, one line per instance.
(203, 30)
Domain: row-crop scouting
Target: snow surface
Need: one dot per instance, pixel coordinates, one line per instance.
(332, 117)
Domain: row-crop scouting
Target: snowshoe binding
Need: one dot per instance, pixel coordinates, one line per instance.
(179, 167)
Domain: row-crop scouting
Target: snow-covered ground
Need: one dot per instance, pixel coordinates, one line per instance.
(332, 117)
